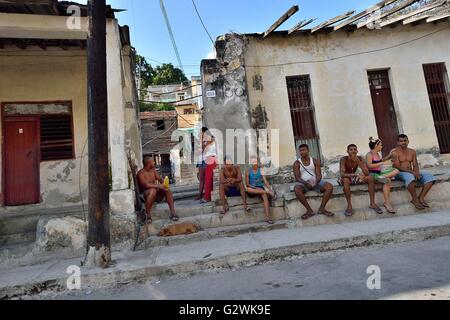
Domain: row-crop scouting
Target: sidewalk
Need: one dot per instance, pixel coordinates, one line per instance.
(235, 252)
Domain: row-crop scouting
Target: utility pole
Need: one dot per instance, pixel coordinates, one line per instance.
(99, 238)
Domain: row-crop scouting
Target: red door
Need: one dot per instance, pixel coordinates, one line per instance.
(21, 161)
(383, 106)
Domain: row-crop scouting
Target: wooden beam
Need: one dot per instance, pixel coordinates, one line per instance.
(41, 44)
(438, 17)
(333, 21)
(387, 13)
(281, 20)
(364, 13)
(301, 24)
(416, 18)
(412, 13)
(21, 44)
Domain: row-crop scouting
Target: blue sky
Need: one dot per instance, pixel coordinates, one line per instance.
(151, 38)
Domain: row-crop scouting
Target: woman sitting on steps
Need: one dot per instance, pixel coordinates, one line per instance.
(381, 169)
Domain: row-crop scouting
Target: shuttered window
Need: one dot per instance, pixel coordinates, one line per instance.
(56, 137)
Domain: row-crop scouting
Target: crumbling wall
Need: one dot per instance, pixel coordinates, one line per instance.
(225, 94)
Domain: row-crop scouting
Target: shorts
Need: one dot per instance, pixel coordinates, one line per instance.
(160, 196)
(354, 181)
(233, 191)
(318, 188)
(251, 195)
(408, 178)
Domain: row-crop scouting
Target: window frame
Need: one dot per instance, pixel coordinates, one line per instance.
(70, 116)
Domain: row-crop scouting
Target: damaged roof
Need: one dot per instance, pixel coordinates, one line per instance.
(382, 14)
(47, 7)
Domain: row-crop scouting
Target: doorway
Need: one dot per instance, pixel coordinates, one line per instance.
(21, 156)
(383, 107)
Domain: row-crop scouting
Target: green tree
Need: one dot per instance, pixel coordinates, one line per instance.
(145, 71)
(168, 74)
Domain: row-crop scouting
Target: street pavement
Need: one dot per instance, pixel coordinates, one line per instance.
(417, 270)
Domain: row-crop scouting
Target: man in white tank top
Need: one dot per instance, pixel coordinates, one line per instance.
(308, 174)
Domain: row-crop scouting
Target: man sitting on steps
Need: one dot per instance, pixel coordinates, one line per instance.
(354, 171)
(231, 184)
(148, 180)
(308, 174)
(405, 160)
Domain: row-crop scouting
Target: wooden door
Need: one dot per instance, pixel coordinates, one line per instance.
(383, 106)
(21, 165)
(439, 93)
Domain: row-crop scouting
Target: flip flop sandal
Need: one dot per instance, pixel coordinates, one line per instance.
(327, 214)
(306, 216)
(174, 218)
(417, 206)
(390, 211)
(426, 205)
(270, 222)
(377, 210)
(148, 221)
(348, 213)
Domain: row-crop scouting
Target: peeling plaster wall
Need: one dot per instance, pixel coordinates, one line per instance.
(225, 79)
(340, 88)
(43, 78)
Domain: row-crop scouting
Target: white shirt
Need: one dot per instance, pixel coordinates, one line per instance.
(308, 172)
(210, 151)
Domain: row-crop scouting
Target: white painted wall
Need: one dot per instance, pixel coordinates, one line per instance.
(340, 88)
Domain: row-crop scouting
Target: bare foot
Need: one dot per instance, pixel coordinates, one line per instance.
(225, 210)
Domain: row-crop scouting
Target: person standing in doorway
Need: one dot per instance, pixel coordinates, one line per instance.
(210, 158)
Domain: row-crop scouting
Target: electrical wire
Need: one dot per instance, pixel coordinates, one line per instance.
(159, 136)
(348, 55)
(169, 28)
(201, 20)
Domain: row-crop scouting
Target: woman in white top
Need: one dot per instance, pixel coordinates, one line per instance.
(210, 158)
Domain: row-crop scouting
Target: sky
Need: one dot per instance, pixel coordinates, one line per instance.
(150, 37)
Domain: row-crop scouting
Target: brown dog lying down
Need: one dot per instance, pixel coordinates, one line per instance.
(179, 229)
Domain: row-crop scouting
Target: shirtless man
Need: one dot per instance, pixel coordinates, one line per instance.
(308, 174)
(152, 188)
(350, 165)
(405, 160)
(231, 184)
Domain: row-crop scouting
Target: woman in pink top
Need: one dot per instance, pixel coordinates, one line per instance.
(381, 169)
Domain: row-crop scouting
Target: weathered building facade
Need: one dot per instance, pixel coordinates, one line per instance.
(332, 86)
(44, 112)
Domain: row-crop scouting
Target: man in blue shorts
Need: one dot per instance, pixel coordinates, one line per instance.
(231, 184)
(405, 160)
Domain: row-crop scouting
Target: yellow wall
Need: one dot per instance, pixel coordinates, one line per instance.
(41, 77)
(187, 120)
(340, 88)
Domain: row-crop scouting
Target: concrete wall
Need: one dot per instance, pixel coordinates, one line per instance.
(43, 77)
(340, 88)
(54, 75)
(224, 86)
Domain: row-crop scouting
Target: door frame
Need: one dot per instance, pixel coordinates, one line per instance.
(4, 120)
(395, 105)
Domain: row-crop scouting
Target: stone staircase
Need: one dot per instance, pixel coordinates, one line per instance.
(286, 211)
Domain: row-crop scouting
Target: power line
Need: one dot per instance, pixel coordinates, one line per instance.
(348, 55)
(169, 28)
(201, 20)
(166, 93)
